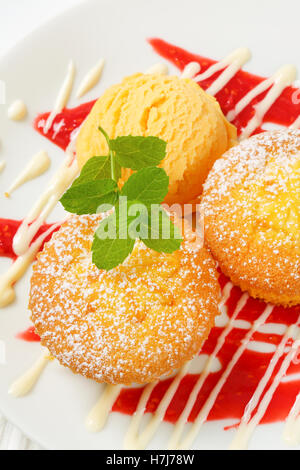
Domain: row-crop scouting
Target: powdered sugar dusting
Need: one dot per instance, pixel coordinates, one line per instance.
(251, 204)
(135, 323)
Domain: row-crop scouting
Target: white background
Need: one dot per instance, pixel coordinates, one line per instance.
(19, 17)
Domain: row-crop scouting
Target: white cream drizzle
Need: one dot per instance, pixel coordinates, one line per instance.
(24, 384)
(46, 203)
(140, 441)
(37, 165)
(91, 79)
(2, 165)
(273, 328)
(248, 424)
(17, 110)
(242, 324)
(291, 433)
(132, 438)
(284, 77)
(223, 319)
(291, 377)
(190, 70)
(174, 441)
(204, 412)
(261, 346)
(161, 69)
(63, 96)
(198, 363)
(97, 418)
(231, 65)
(18, 269)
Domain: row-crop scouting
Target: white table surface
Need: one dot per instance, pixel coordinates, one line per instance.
(18, 18)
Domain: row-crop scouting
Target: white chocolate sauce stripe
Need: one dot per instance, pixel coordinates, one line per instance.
(17, 110)
(190, 70)
(246, 429)
(230, 66)
(2, 165)
(284, 77)
(222, 320)
(291, 433)
(174, 441)
(19, 267)
(293, 377)
(63, 96)
(140, 441)
(260, 88)
(91, 79)
(45, 204)
(38, 164)
(98, 416)
(263, 383)
(27, 381)
(132, 439)
(207, 407)
(161, 69)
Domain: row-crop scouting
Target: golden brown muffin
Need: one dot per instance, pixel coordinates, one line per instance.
(132, 324)
(251, 203)
(176, 110)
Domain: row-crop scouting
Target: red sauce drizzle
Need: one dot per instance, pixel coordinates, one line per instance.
(283, 111)
(29, 335)
(243, 380)
(8, 229)
(70, 119)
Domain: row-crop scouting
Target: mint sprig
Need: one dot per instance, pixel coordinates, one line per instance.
(112, 251)
(85, 198)
(137, 211)
(137, 152)
(149, 185)
(96, 168)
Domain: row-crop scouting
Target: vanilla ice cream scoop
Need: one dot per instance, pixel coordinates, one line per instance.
(174, 109)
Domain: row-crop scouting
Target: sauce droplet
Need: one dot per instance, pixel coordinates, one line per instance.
(2, 165)
(17, 110)
(38, 165)
(91, 79)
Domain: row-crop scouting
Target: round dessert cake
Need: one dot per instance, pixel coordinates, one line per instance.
(174, 109)
(251, 203)
(133, 324)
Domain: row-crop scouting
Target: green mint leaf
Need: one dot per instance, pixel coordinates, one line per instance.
(111, 251)
(104, 133)
(111, 156)
(85, 198)
(118, 171)
(137, 152)
(163, 235)
(149, 186)
(96, 168)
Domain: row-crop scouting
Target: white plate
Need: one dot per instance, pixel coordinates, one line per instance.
(53, 415)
